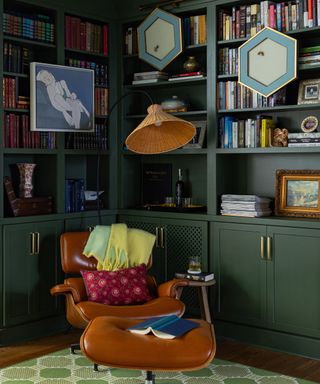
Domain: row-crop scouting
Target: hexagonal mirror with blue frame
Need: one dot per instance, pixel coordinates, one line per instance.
(160, 38)
(267, 61)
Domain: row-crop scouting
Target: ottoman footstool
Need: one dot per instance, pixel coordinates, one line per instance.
(106, 341)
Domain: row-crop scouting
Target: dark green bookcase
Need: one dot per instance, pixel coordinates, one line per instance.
(30, 258)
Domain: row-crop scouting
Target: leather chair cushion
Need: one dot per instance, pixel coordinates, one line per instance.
(122, 287)
(107, 341)
(156, 307)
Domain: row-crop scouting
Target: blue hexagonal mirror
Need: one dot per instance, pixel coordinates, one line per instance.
(267, 61)
(160, 38)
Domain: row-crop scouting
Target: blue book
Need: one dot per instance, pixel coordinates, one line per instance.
(165, 327)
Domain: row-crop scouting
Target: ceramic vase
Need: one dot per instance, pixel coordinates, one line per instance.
(26, 175)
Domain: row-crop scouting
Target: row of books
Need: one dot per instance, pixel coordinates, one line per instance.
(100, 70)
(17, 134)
(101, 96)
(309, 55)
(245, 205)
(194, 29)
(36, 27)
(88, 140)
(304, 139)
(228, 61)
(232, 95)
(246, 133)
(194, 33)
(16, 58)
(9, 91)
(74, 195)
(245, 21)
(86, 36)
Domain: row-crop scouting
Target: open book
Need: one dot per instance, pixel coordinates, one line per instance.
(165, 327)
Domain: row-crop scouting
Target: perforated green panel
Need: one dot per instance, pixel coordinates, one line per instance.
(182, 242)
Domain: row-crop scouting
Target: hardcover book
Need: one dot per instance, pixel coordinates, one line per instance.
(202, 276)
(156, 183)
(164, 327)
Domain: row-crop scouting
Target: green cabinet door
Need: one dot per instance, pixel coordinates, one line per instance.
(240, 273)
(31, 268)
(293, 280)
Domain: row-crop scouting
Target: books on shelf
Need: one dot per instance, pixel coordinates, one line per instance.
(164, 327)
(245, 133)
(244, 21)
(194, 29)
(74, 195)
(86, 36)
(304, 139)
(202, 276)
(309, 55)
(245, 205)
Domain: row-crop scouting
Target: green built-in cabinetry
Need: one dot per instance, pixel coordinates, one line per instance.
(267, 276)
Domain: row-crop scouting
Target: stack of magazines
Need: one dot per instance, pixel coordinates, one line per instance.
(149, 77)
(245, 205)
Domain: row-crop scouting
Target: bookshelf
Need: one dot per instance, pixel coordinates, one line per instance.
(35, 31)
(264, 302)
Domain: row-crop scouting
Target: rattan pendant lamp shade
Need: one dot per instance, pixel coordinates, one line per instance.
(160, 132)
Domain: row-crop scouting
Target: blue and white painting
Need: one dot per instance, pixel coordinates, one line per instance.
(303, 193)
(62, 98)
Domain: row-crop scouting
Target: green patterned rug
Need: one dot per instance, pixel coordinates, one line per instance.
(64, 368)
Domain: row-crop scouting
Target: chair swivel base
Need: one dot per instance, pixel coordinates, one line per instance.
(74, 348)
(107, 341)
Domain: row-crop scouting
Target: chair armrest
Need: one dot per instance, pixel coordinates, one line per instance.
(73, 286)
(170, 288)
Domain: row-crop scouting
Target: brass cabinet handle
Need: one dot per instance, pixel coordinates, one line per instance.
(32, 243)
(269, 256)
(37, 236)
(262, 247)
(157, 237)
(162, 237)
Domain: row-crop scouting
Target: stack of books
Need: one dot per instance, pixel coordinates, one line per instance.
(187, 75)
(245, 205)
(304, 139)
(202, 276)
(309, 55)
(149, 77)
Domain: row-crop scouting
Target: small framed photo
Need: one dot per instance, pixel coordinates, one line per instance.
(309, 124)
(198, 139)
(309, 91)
(61, 98)
(297, 193)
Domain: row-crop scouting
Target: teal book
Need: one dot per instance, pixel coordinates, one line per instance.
(165, 327)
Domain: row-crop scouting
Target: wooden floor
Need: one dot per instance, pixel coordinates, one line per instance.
(226, 349)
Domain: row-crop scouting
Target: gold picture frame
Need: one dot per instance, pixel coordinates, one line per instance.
(297, 193)
(309, 91)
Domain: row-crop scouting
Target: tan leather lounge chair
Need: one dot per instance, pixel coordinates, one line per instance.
(80, 311)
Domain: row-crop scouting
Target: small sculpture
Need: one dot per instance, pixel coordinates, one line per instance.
(279, 137)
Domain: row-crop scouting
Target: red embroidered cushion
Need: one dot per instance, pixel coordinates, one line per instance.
(122, 287)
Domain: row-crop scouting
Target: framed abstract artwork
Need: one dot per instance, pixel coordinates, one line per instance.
(297, 193)
(61, 98)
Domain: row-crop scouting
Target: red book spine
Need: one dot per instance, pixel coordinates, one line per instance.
(310, 13)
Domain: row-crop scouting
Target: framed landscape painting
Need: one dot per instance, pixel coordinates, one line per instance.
(61, 98)
(297, 193)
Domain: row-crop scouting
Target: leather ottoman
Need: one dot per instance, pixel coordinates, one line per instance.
(106, 341)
